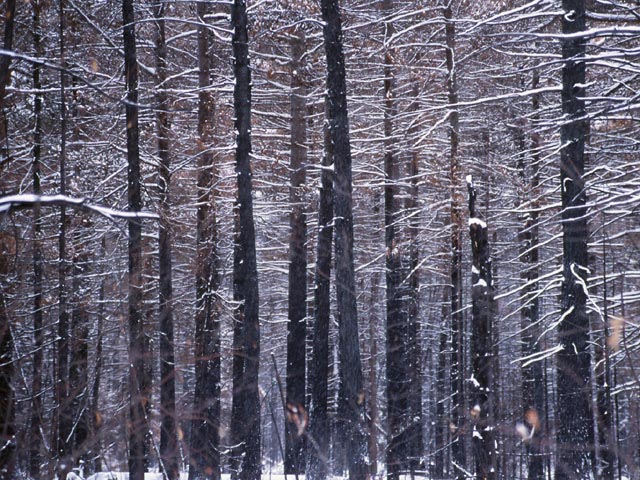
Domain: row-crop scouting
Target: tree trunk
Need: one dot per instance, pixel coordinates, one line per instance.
(7, 395)
(297, 326)
(137, 427)
(64, 421)
(168, 422)
(574, 424)
(397, 331)
(532, 374)
(604, 411)
(457, 426)
(482, 358)
(245, 268)
(35, 422)
(414, 363)
(351, 378)
(204, 445)
(373, 379)
(319, 430)
(7, 244)
(79, 354)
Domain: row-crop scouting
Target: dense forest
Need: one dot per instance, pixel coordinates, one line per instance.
(355, 239)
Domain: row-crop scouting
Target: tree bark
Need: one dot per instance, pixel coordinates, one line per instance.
(35, 422)
(574, 423)
(138, 402)
(457, 426)
(532, 374)
(204, 445)
(63, 413)
(168, 422)
(296, 416)
(245, 267)
(482, 358)
(351, 378)
(319, 430)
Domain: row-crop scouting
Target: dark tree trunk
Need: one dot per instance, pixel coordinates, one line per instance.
(482, 358)
(574, 422)
(168, 422)
(604, 411)
(352, 405)
(247, 424)
(373, 379)
(64, 420)
(204, 445)
(317, 467)
(7, 395)
(7, 244)
(35, 422)
(138, 454)
(297, 325)
(458, 456)
(532, 374)
(397, 328)
(95, 464)
(5, 74)
(79, 354)
(414, 359)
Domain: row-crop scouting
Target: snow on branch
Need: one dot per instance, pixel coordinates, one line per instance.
(19, 202)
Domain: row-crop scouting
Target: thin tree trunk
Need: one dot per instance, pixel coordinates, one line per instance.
(319, 429)
(397, 334)
(416, 429)
(5, 74)
(137, 427)
(604, 411)
(373, 380)
(532, 374)
(168, 421)
(7, 395)
(79, 355)
(574, 423)
(458, 456)
(7, 248)
(245, 267)
(63, 411)
(35, 422)
(482, 359)
(351, 378)
(204, 445)
(297, 325)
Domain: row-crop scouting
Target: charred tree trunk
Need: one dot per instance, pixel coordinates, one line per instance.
(168, 422)
(204, 444)
(574, 423)
(297, 325)
(352, 406)
(319, 429)
(247, 419)
(482, 358)
(137, 427)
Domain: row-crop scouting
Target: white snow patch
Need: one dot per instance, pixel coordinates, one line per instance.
(477, 221)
